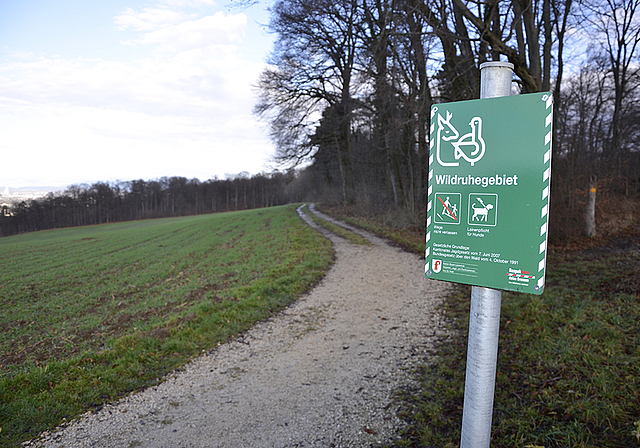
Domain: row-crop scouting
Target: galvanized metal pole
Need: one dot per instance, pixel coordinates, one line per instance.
(484, 322)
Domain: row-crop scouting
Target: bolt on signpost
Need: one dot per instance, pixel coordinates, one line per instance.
(487, 216)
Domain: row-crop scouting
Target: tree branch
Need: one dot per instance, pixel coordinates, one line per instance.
(529, 81)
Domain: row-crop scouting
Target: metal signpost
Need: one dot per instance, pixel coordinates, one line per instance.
(487, 215)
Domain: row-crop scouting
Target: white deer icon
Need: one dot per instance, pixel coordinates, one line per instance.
(446, 132)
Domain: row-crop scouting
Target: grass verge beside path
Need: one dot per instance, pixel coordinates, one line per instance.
(350, 236)
(410, 238)
(90, 314)
(569, 360)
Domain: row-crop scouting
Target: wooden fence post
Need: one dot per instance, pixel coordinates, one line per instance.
(591, 208)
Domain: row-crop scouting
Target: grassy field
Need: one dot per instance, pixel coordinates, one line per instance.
(569, 360)
(568, 364)
(90, 314)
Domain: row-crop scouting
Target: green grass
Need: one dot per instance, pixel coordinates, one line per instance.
(90, 314)
(93, 313)
(411, 238)
(350, 236)
(568, 366)
(569, 360)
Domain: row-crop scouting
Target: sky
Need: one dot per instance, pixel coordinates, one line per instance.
(97, 90)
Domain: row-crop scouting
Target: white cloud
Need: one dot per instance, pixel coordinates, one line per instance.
(71, 144)
(149, 19)
(217, 30)
(193, 82)
(183, 110)
(186, 3)
(202, 70)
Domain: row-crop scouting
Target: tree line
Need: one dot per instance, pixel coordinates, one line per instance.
(347, 96)
(351, 83)
(105, 202)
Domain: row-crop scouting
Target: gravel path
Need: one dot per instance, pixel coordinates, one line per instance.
(322, 373)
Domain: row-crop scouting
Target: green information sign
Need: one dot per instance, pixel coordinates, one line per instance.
(488, 198)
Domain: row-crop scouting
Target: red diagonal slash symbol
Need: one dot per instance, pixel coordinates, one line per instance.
(445, 206)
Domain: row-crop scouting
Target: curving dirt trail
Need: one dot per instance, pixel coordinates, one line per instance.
(320, 374)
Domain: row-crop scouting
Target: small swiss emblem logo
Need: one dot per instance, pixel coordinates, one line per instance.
(436, 265)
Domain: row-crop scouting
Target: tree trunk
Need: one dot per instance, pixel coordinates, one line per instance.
(546, 46)
(591, 209)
